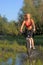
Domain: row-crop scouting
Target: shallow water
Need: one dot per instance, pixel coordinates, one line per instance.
(24, 59)
(8, 62)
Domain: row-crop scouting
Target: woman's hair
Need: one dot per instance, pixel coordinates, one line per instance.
(25, 17)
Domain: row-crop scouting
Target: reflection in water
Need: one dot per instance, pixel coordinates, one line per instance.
(24, 59)
(18, 60)
(8, 62)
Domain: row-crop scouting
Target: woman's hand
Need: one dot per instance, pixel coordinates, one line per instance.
(20, 30)
(34, 29)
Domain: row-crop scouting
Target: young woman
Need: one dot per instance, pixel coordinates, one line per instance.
(30, 26)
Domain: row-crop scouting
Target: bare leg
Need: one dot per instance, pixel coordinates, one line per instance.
(28, 45)
(32, 43)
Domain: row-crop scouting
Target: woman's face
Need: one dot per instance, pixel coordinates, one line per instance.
(28, 16)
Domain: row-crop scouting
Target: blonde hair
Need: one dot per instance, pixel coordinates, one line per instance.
(25, 16)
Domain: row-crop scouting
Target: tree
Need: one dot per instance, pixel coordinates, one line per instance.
(3, 26)
(35, 8)
(8, 27)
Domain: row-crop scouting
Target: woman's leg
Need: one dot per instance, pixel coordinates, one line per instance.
(28, 45)
(32, 42)
(29, 42)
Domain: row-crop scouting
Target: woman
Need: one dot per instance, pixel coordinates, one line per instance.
(30, 26)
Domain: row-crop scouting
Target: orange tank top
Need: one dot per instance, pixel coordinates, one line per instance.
(28, 24)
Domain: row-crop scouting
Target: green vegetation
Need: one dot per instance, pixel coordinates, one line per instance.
(35, 8)
(17, 43)
(11, 42)
(11, 45)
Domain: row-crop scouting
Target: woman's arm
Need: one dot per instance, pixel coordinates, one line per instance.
(33, 25)
(22, 26)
